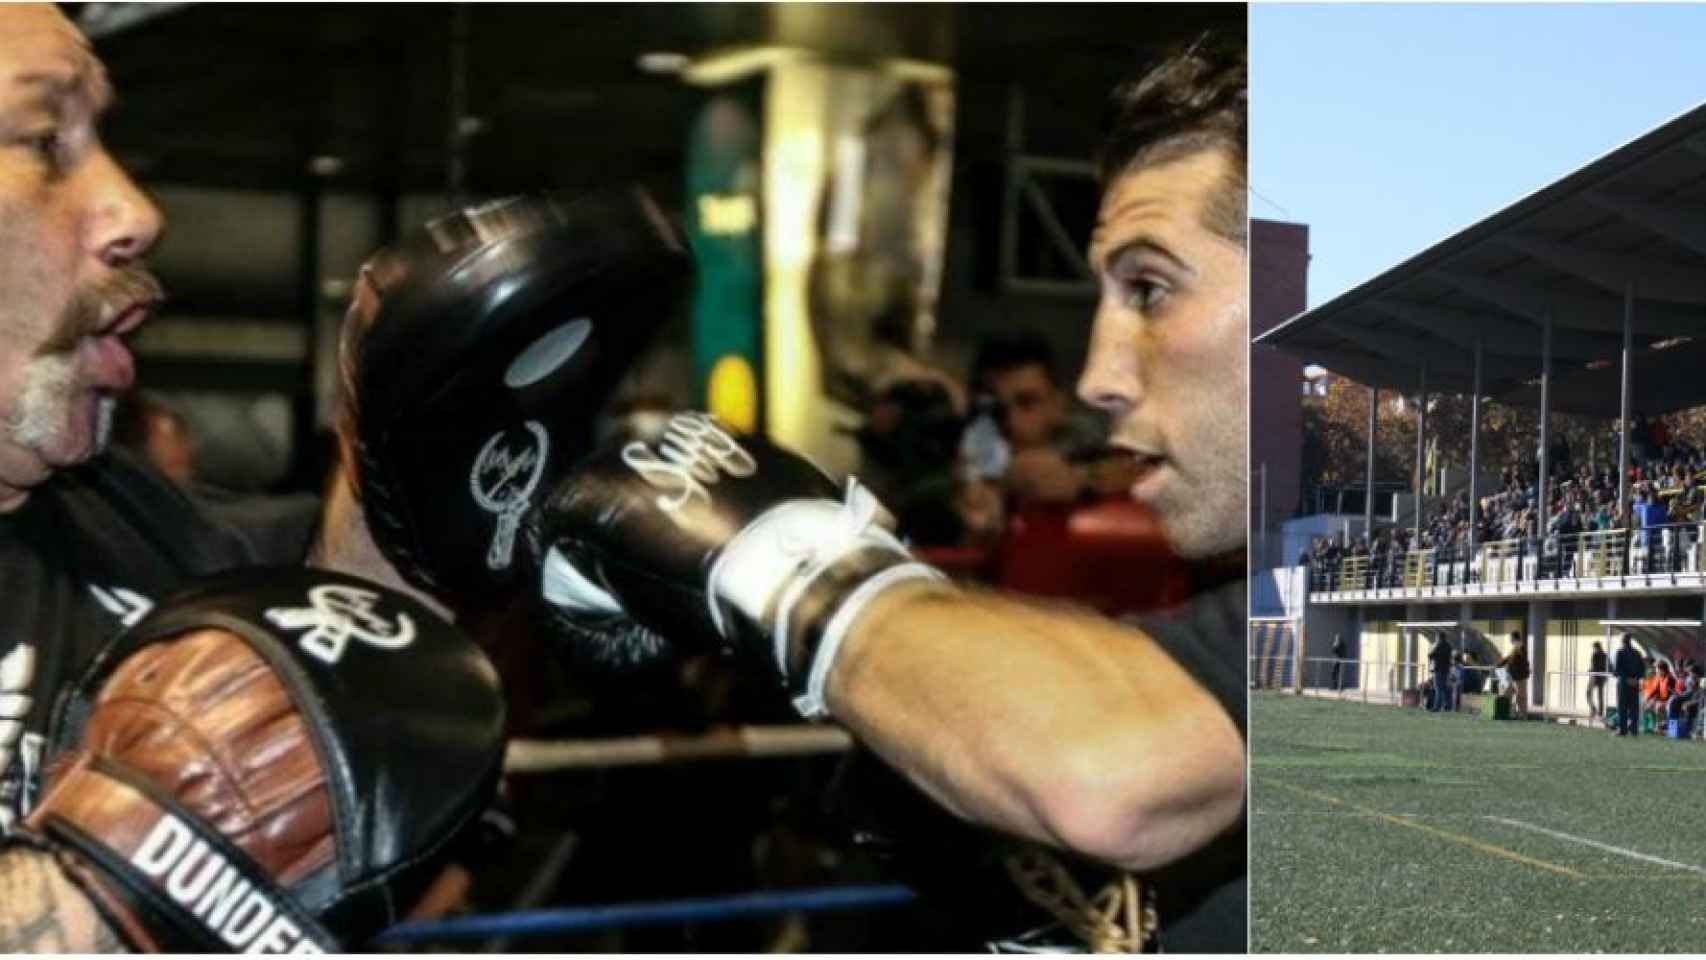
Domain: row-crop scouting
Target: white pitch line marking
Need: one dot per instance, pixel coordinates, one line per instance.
(1608, 848)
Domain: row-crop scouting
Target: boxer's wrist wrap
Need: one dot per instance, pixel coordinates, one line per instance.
(811, 567)
(165, 879)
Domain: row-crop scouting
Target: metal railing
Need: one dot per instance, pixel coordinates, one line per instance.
(1665, 549)
(1369, 682)
(1420, 567)
(1386, 681)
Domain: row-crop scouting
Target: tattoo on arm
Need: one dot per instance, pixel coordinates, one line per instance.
(41, 912)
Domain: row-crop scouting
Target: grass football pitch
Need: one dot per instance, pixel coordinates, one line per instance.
(1375, 829)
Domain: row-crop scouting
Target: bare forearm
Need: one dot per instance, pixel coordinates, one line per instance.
(42, 912)
(1052, 724)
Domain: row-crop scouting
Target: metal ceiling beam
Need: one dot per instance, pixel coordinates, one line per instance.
(1409, 348)
(1680, 220)
(1580, 310)
(1670, 282)
(1500, 335)
(1358, 366)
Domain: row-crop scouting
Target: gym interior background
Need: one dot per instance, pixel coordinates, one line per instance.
(299, 138)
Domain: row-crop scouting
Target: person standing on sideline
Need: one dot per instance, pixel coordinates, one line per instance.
(1630, 668)
(1338, 661)
(1441, 656)
(1516, 665)
(1598, 668)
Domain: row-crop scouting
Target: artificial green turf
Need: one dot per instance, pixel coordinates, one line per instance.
(1337, 877)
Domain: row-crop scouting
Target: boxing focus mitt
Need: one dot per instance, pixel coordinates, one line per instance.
(474, 359)
(271, 762)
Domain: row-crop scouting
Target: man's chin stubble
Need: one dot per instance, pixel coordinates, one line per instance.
(47, 403)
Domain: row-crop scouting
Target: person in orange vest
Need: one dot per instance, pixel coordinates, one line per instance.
(1658, 690)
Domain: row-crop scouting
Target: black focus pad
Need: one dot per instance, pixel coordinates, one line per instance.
(500, 332)
(405, 713)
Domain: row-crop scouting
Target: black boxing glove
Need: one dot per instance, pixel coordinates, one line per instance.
(272, 762)
(702, 536)
(474, 359)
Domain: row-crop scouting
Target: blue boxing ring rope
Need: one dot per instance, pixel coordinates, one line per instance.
(534, 923)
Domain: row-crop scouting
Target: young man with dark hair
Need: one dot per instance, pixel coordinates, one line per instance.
(1119, 743)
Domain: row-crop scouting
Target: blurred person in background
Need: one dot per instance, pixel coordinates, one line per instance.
(1054, 456)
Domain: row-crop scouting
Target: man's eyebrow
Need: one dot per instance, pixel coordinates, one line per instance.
(60, 84)
(1145, 241)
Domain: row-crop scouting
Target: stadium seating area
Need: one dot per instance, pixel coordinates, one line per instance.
(1581, 532)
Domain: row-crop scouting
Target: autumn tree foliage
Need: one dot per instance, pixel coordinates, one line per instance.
(1335, 435)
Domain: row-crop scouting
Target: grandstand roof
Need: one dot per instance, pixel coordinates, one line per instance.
(1635, 214)
(1670, 639)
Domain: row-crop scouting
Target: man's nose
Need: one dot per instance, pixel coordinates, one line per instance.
(1111, 380)
(125, 223)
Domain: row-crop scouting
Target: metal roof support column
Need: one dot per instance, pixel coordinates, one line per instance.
(1623, 401)
(1475, 454)
(1421, 462)
(1368, 495)
(1542, 506)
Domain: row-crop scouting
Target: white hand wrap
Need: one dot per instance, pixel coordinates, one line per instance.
(774, 572)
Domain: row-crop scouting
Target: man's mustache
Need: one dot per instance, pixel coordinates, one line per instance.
(93, 305)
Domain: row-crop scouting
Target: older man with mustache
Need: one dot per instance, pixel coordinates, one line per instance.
(73, 229)
(92, 542)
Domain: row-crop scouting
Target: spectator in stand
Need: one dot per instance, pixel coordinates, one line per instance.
(1515, 663)
(1560, 453)
(1598, 667)
(1640, 441)
(1660, 434)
